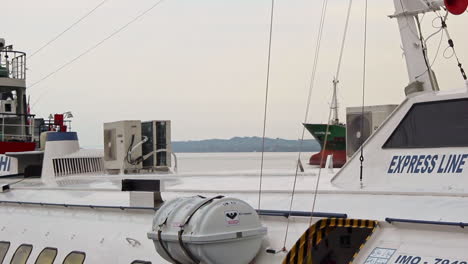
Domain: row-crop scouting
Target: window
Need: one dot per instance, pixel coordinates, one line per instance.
(432, 125)
(75, 257)
(21, 254)
(141, 262)
(47, 256)
(8, 108)
(4, 246)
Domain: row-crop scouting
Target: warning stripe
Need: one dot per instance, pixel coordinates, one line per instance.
(301, 252)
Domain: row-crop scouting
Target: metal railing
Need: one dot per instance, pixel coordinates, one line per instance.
(12, 64)
(24, 131)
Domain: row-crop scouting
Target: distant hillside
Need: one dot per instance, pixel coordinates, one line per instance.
(244, 144)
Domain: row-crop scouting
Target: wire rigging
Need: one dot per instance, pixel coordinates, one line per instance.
(267, 86)
(67, 29)
(335, 82)
(114, 33)
(306, 115)
(364, 73)
(425, 57)
(343, 41)
(442, 29)
(452, 47)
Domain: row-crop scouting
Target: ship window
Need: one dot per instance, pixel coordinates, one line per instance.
(8, 108)
(4, 246)
(141, 262)
(47, 256)
(21, 254)
(432, 125)
(75, 257)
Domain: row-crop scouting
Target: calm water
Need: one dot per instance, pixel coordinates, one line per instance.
(242, 162)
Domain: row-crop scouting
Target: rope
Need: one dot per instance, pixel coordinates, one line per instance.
(306, 116)
(93, 47)
(68, 28)
(267, 86)
(361, 157)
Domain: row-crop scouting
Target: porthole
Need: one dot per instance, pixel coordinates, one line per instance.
(4, 246)
(75, 257)
(21, 254)
(47, 256)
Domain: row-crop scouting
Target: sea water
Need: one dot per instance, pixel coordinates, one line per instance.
(240, 163)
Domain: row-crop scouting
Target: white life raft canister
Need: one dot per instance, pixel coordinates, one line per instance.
(214, 230)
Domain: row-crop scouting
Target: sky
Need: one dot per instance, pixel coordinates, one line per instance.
(202, 64)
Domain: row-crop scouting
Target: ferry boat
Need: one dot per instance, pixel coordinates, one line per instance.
(405, 203)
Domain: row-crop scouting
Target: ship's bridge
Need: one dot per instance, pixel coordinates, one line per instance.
(12, 66)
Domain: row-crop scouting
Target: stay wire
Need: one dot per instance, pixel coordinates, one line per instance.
(309, 98)
(267, 86)
(327, 131)
(93, 48)
(364, 75)
(320, 167)
(343, 41)
(67, 29)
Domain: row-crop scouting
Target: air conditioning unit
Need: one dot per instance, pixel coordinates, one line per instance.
(158, 146)
(361, 124)
(120, 138)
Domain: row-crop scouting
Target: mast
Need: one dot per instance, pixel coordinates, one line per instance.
(421, 77)
(334, 104)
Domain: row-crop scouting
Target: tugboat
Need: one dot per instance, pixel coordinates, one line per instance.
(17, 128)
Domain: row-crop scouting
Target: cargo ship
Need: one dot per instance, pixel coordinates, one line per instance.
(333, 141)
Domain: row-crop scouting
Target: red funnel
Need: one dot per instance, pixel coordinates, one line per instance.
(456, 7)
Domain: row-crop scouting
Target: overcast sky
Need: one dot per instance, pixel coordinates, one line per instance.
(202, 63)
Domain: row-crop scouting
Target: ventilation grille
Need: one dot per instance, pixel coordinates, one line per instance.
(70, 166)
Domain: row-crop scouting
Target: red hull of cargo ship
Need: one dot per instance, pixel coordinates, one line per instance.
(339, 158)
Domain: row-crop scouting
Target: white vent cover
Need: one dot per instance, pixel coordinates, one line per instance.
(207, 230)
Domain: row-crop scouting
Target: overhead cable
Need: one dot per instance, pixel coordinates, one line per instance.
(94, 46)
(306, 115)
(364, 75)
(67, 29)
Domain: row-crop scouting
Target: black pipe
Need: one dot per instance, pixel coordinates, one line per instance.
(285, 213)
(425, 222)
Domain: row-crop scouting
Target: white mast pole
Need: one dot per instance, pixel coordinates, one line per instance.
(334, 104)
(406, 12)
